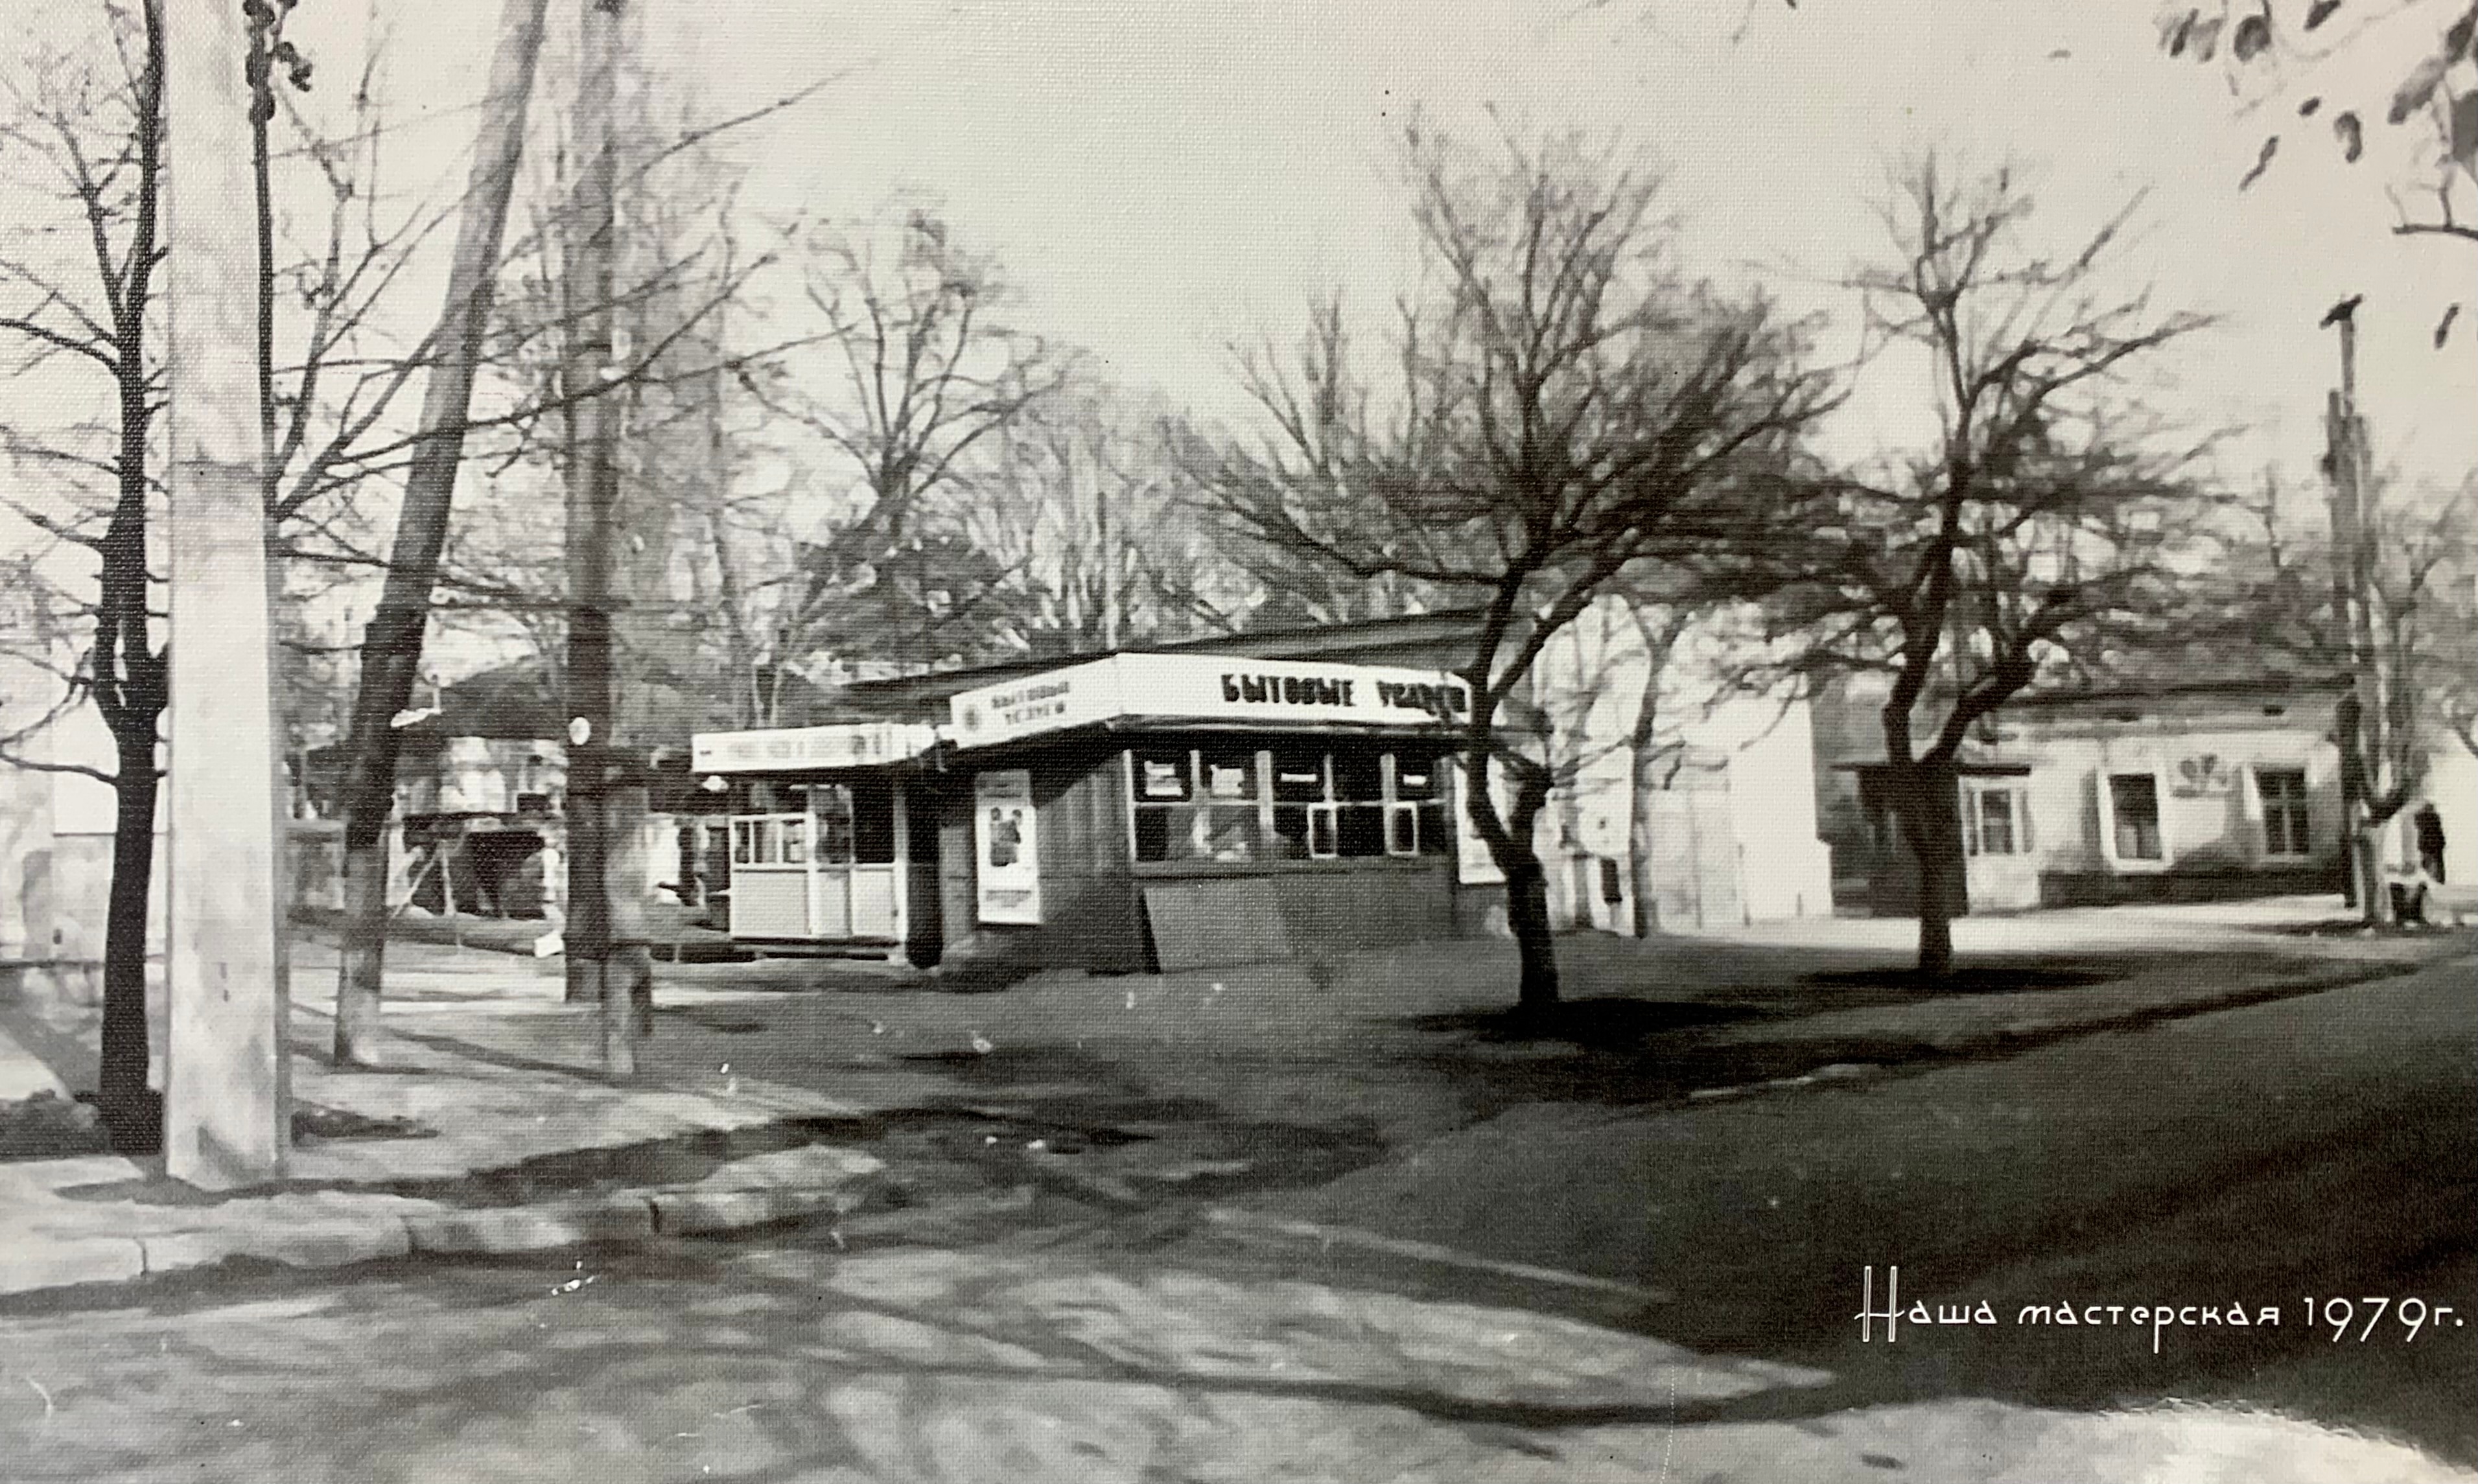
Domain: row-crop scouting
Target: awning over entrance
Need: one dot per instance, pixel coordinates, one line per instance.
(1183, 688)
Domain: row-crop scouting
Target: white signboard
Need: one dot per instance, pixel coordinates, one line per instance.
(1006, 854)
(859, 744)
(1050, 702)
(1206, 687)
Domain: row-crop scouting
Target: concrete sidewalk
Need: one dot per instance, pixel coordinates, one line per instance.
(447, 1150)
(491, 1131)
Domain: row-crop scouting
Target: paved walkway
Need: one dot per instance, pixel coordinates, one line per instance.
(490, 1130)
(1049, 1368)
(449, 1148)
(1030, 1364)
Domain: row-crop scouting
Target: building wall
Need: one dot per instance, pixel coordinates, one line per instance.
(485, 775)
(1088, 903)
(2452, 787)
(1102, 911)
(1735, 834)
(2212, 834)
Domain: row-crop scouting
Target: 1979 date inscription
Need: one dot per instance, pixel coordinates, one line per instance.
(2359, 1320)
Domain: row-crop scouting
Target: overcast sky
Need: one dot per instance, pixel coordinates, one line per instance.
(1161, 178)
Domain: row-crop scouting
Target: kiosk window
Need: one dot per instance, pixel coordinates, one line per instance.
(1415, 818)
(1287, 804)
(1231, 829)
(1302, 823)
(831, 803)
(770, 839)
(1164, 781)
(872, 823)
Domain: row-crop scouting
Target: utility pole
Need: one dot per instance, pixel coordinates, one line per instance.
(2364, 744)
(593, 764)
(227, 1083)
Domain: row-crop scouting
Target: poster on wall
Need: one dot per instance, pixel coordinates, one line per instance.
(1007, 846)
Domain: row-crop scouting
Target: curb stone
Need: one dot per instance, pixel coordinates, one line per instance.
(691, 1213)
(32, 1262)
(537, 1228)
(334, 1243)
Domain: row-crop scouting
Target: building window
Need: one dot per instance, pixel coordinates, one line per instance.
(1293, 803)
(2133, 807)
(843, 825)
(1165, 814)
(1416, 808)
(1995, 819)
(770, 839)
(855, 822)
(1230, 827)
(1304, 828)
(2283, 792)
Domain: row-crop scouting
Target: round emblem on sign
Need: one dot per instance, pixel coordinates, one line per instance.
(972, 719)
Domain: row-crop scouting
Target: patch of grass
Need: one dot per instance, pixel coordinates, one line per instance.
(310, 1121)
(50, 1126)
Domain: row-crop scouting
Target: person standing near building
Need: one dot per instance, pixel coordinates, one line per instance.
(2427, 825)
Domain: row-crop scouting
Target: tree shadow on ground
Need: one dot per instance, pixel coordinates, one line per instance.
(1598, 1023)
(1980, 978)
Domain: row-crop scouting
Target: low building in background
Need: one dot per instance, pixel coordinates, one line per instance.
(2174, 791)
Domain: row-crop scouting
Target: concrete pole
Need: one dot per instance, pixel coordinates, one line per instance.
(226, 1090)
(2353, 581)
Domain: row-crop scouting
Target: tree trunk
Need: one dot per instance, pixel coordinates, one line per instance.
(1644, 771)
(130, 676)
(1536, 946)
(392, 649)
(363, 949)
(131, 1109)
(1640, 844)
(1526, 897)
(1932, 828)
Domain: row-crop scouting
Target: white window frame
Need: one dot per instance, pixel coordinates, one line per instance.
(1973, 836)
(2131, 864)
(763, 833)
(2303, 815)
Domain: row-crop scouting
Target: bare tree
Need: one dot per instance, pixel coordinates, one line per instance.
(2287, 609)
(1651, 756)
(1085, 519)
(929, 375)
(1564, 406)
(100, 136)
(392, 649)
(2042, 527)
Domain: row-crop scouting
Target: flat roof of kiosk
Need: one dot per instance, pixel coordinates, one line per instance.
(1412, 639)
(1173, 691)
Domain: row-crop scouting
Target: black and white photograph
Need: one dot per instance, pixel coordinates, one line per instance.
(791, 742)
